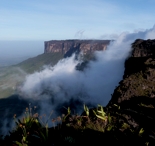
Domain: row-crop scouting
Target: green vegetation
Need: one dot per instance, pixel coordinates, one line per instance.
(12, 76)
(35, 64)
(74, 129)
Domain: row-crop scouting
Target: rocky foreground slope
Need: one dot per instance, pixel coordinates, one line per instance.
(135, 95)
(139, 75)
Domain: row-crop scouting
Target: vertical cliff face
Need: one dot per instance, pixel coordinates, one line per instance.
(70, 46)
(136, 92)
(143, 48)
(139, 74)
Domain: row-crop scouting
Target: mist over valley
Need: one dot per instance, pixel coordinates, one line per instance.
(52, 81)
(76, 72)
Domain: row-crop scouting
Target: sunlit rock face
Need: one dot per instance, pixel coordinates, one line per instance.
(70, 46)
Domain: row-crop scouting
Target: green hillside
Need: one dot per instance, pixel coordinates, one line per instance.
(36, 63)
(11, 76)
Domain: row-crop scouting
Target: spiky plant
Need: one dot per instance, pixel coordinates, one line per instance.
(31, 128)
(100, 113)
(86, 109)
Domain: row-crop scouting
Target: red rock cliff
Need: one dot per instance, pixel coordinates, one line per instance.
(64, 46)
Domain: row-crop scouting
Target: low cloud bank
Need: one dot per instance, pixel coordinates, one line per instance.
(56, 85)
(64, 85)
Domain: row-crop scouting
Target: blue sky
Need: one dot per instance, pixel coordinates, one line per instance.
(69, 19)
(42, 20)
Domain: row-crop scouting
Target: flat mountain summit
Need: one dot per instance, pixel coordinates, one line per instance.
(67, 47)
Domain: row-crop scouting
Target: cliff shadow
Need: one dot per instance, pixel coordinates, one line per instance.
(134, 65)
(141, 109)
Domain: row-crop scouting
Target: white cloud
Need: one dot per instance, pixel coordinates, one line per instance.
(94, 85)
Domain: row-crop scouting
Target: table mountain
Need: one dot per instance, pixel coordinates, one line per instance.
(67, 47)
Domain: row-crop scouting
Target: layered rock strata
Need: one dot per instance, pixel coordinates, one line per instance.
(70, 46)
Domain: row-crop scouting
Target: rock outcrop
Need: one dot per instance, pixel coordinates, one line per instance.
(139, 74)
(67, 47)
(135, 94)
(143, 48)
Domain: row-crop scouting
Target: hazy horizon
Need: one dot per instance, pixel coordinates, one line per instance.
(13, 52)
